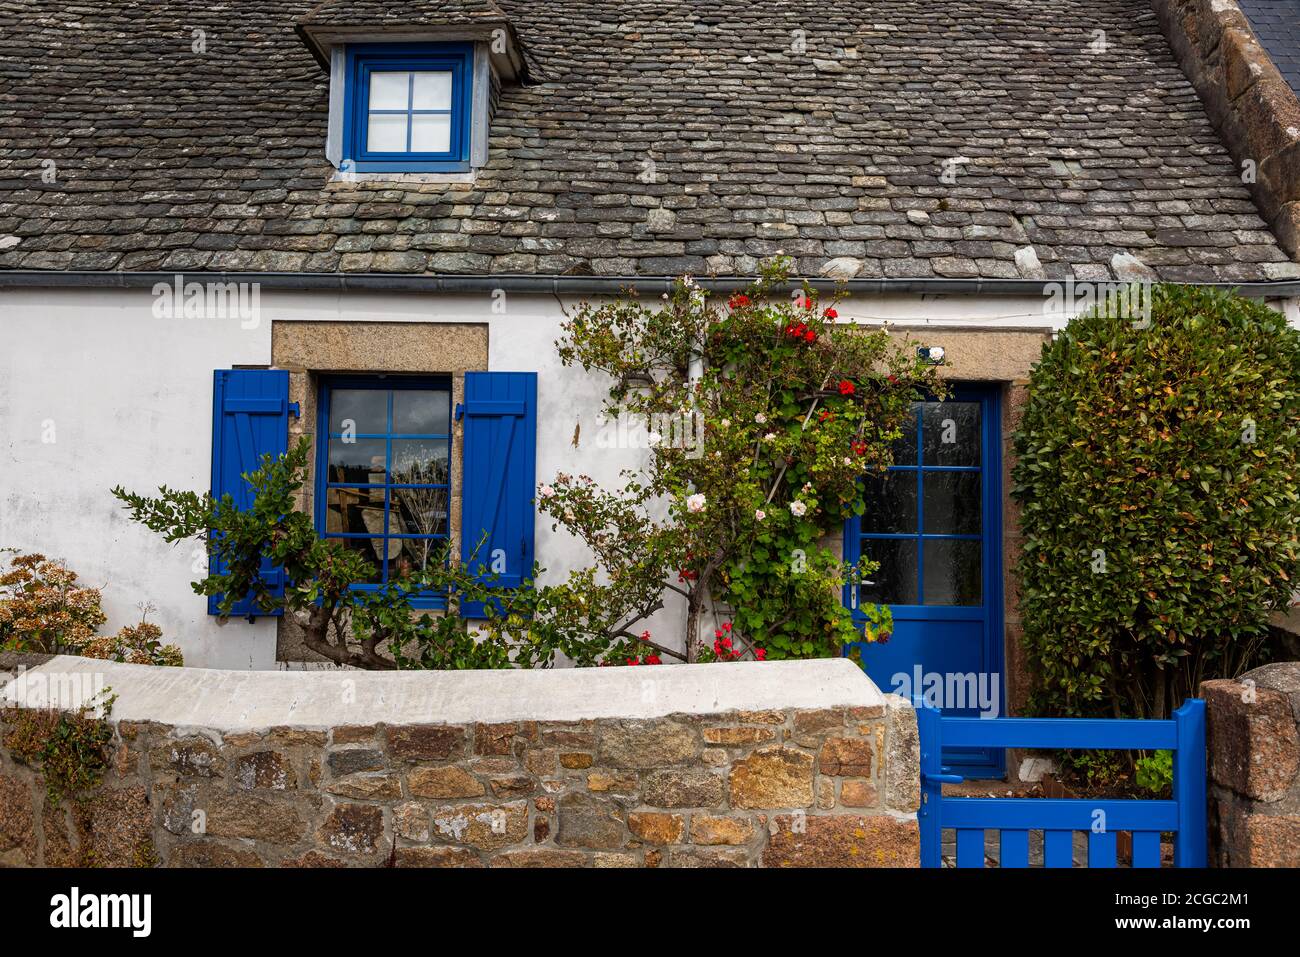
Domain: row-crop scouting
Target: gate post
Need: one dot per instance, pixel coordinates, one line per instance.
(927, 726)
(1189, 784)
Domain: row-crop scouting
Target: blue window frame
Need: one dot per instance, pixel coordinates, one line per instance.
(383, 472)
(407, 107)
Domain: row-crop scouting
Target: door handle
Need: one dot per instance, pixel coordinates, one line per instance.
(941, 778)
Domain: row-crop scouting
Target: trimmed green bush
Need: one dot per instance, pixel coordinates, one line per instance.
(1157, 474)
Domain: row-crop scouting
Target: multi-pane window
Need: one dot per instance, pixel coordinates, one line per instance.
(384, 486)
(409, 112)
(923, 520)
(407, 107)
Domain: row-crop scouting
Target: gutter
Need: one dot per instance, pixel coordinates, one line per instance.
(572, 285)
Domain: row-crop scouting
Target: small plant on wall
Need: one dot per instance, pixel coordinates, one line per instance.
(1158, 475)
(44, 609)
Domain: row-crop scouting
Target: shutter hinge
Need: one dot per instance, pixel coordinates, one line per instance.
(295, 410)
(460, 411)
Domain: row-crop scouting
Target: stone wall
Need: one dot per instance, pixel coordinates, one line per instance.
(1253, 728)
(779, 764)
(1247, 99)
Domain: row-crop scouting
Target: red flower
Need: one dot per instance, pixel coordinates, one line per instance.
(807, 303)
(831, 313)
(726, 642)
(726, 626)
(810, 336)
(633, 661)
(893, 380)
(760, 654)
(653, 660)
(825, 415)
(860, 448)
(846, 387)
(738, 301)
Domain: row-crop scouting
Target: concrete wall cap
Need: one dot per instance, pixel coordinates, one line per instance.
(254, 700)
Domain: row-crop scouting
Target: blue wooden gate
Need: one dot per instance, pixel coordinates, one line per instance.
(1102, 820)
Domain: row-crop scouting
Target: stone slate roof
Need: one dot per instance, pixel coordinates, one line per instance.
(656, 137)
(399, 14)
(1277, 24)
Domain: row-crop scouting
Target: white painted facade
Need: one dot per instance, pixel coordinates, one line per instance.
(95, 391)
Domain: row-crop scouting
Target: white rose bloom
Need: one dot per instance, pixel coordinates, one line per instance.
(760, 514)
(695, 503)
(798, 509)
(546, 491)
(761, 419)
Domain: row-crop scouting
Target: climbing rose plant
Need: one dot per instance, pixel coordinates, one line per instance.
(764, 414)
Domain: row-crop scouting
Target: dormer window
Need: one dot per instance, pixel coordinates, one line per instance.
(413, 87)
(407, 107)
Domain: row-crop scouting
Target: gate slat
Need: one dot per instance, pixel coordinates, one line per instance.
(1014, 849)
(1058, 848)
(1101, 849)
(1146, 848)
(970, 848)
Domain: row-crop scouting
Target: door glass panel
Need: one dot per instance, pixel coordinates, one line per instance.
(894, 583)
(360, 460)
(905, 448)
(952, 503)
(358, 411)
(951, 433)
(952, 572)
(891, 503)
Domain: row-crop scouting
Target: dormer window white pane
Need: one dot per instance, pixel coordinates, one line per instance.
(387, 132)
(390, 91)
(431, 132)
(432, 91)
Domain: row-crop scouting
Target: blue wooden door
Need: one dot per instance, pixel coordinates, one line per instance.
(934, 522)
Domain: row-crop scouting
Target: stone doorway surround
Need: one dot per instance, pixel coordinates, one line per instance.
(1003, 357)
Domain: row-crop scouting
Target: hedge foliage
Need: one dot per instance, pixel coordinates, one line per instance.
(1157, 474)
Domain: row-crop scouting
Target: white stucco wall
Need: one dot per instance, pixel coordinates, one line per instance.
(96, 391)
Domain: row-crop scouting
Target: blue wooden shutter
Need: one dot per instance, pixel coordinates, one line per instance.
(500, 460)
(250, 418)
